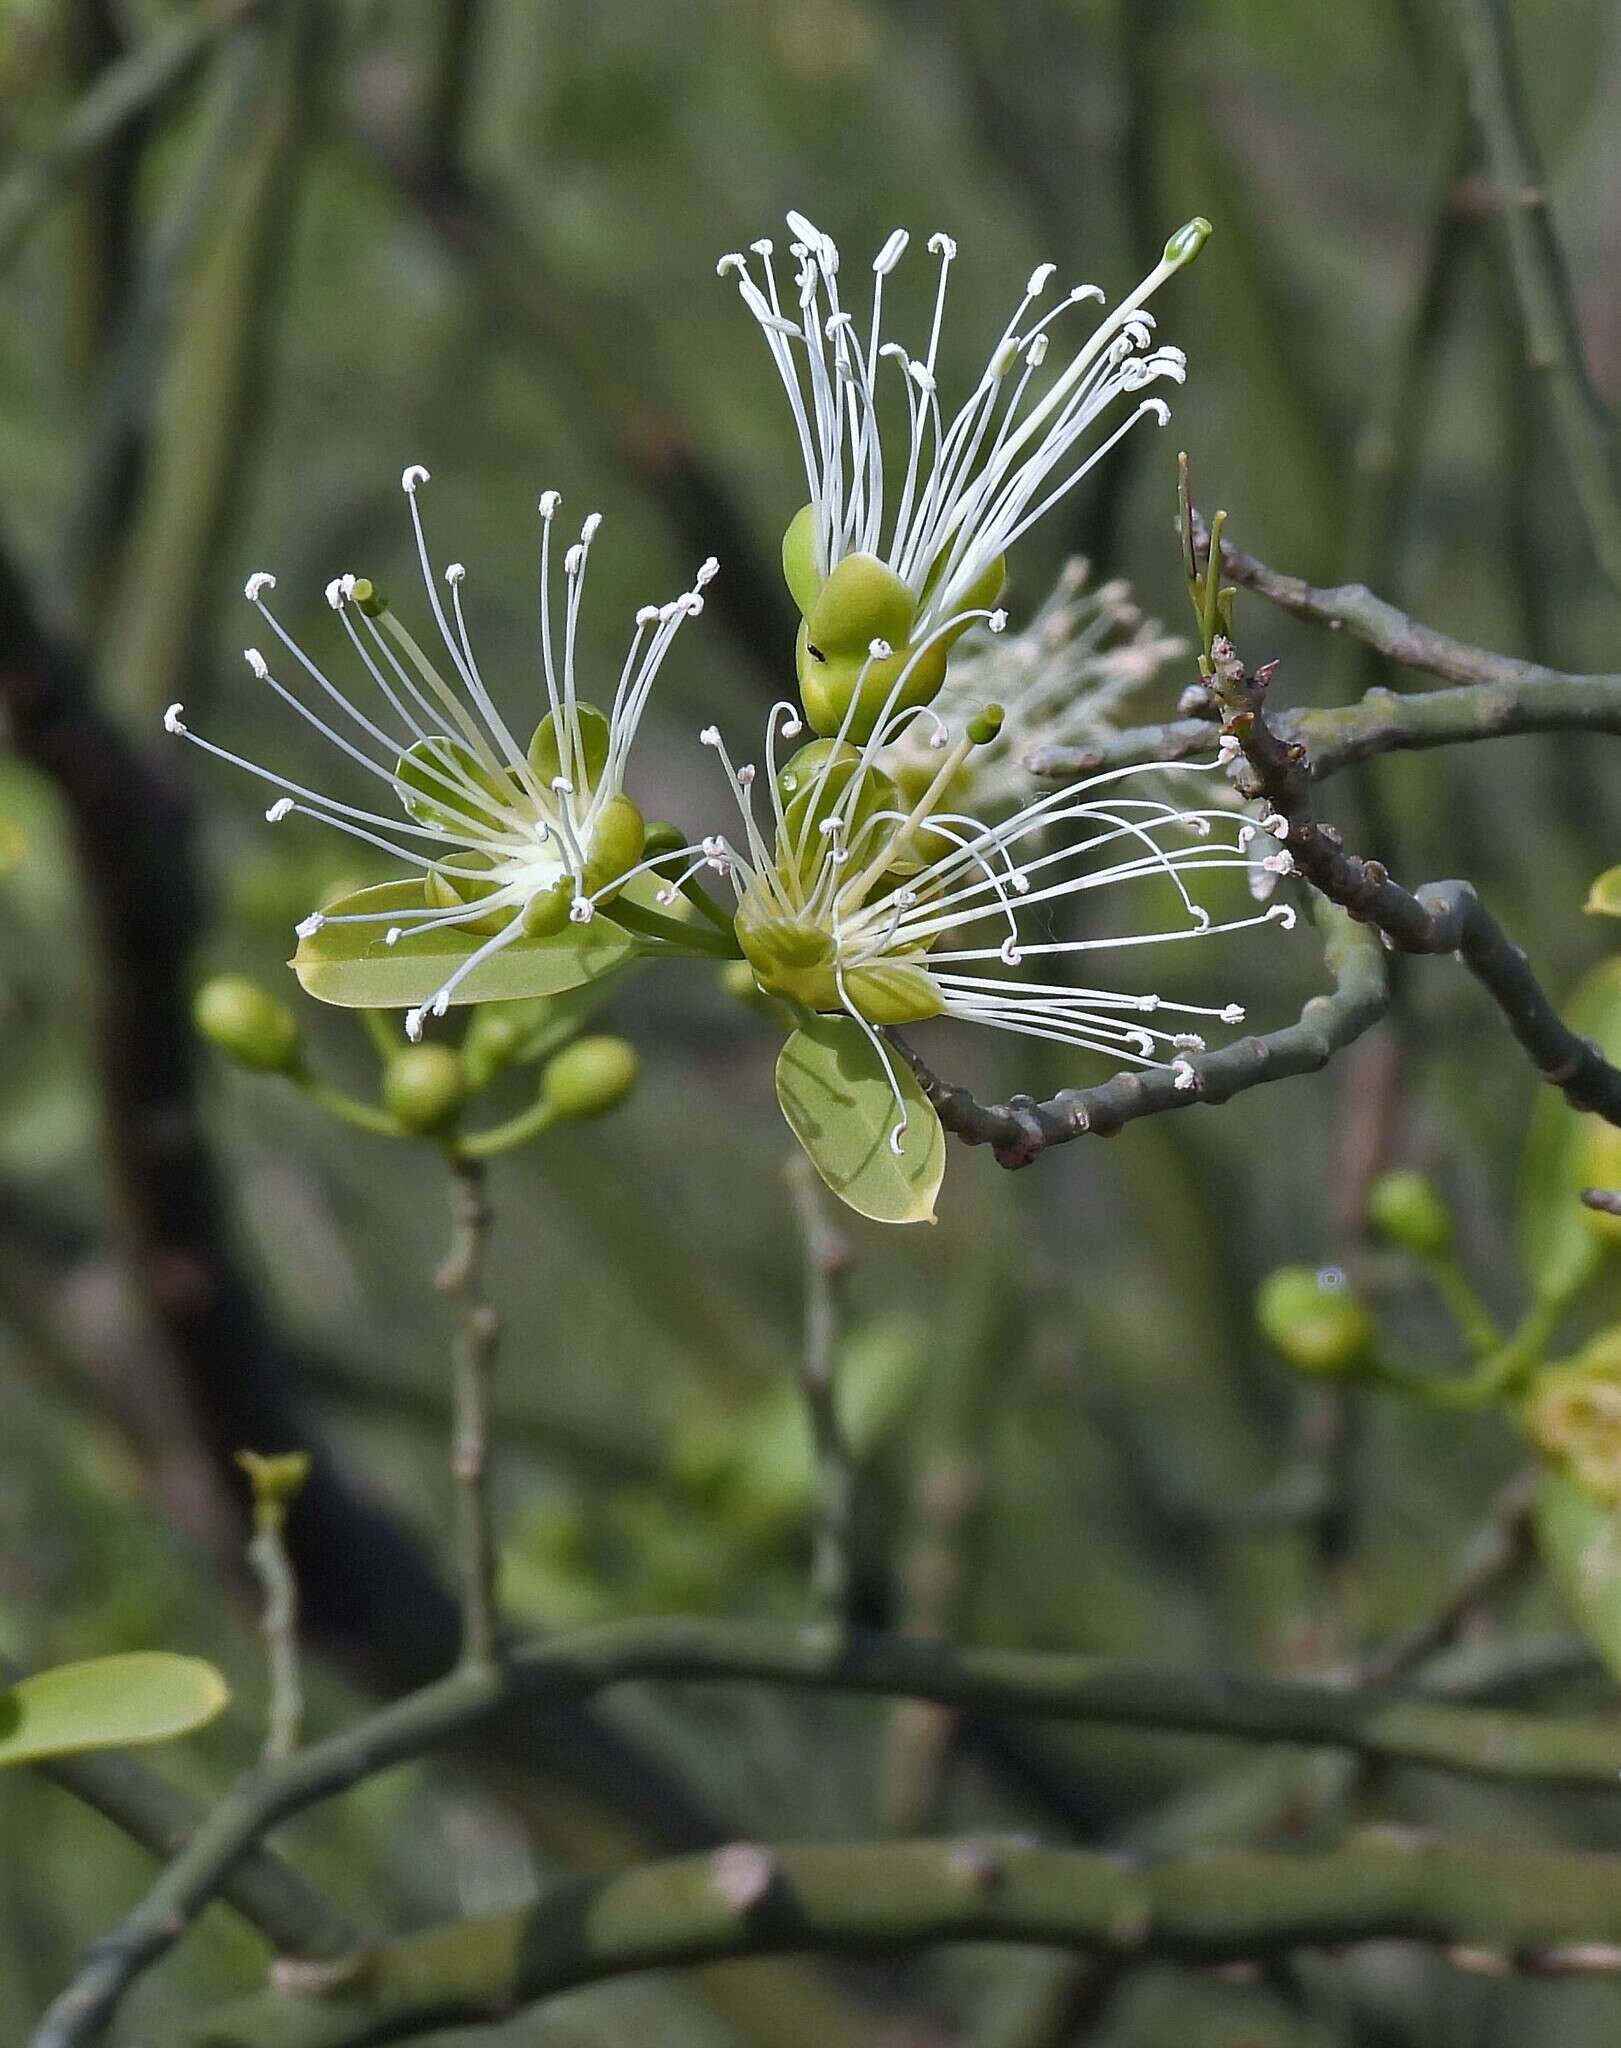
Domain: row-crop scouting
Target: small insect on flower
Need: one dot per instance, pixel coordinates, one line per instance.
(907, 551)
(512, 848)
(854, 899)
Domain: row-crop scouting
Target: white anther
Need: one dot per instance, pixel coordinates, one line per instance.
(589, 528)
(1158, 407)
(393, 935)
(1246, 834)
(829, 826)
(1189, 1041)
(1233, 1014)
(411, 476)
(764, 246)
(173, 722)
(256, 661)
(561, 786)
(346, 583)
(1277, 825)
(665, 895)
(880, 650)
(1199, 827)
(1281, 863)
(260, 581)
(996, 622)
(280, 809)
(548, 504)
(939, 739)
(307, 927)
(922, 376)
(792, 727)
(905, 899)
(745, 775)
(1285, 915)
(573, 560)
(691, 604)
(1005, 357)
(1009, 953)
(1201, 917)
(1040, 277)
(1227, 750)
(581, 910)
(441, 1002)
(942, 245)
(335, 593)
(732, 260)
(1020, 881)
(1036, 354)
(708, 570)
(710, 736)
(455, 571)
(891, 253)
(648, 615)
(1182, 1076)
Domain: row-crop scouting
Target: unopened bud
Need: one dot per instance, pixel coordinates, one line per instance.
(1406, 1208)
(248, 1023)
(276, 1479)
(591, 1076)
(424, 1086)
(1314, 1321)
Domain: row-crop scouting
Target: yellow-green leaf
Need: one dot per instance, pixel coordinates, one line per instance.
(1604, 898)
(1579, 1537)
(1560, 1246)
(836, 1093)
(350, 965)
(108, 1703)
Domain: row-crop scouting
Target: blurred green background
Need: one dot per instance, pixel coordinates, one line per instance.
(483, 237)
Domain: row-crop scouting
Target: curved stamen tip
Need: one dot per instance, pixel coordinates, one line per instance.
(1280, 863)
(710, 736)
(307, 927)
(1040, 278)
(588, 528)
(410, 477)
(691, 604)
(1158, 407)
(548, 504)
(1284, 914)
(1182, 1076)
(941, 244)
(173, 722)
(732, 260)
(895, 1137)
(1233, 1014)
(280, 809)
(257, 584)
(708, 570)
(996, 622)
(413, 1025)
(763, 246)
(335, 593)
(455, 571)
(648, 615)
(1201, 917)
(581, 910)
(1009, 953)
(441, 1002)
(393, 935)
(574, 560)
(256, 661)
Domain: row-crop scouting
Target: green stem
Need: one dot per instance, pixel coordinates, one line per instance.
(1476, 1323)
(533, 1122)
(826, 1256)
(267, 1554)
(461, 1281)
(682, 937)
(364, 1116)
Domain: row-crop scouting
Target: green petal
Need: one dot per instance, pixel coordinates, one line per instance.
(349, 964)
(1604, 898)
(108, 1703)
(546, 753)
(837, 1098)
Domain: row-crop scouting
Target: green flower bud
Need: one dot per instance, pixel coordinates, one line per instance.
(496, 1034)
(276, 1479)
(590, 1077)
(1406, 1208)
(1188, 240)
(424, 1086)
(247, 1023)
(1315, 1322)
(617, 839)
(661, 837)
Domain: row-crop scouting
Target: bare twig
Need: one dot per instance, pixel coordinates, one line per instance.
(478, 1330)
(826, 1260)
(1585, 427)
(276, 1483)
(1021, 1129)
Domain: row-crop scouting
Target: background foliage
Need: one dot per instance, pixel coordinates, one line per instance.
(483, 237)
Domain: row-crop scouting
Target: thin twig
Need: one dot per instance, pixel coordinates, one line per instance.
(1585, 427)
(276, 1483)
(478, 1328)
(1020, 1130)
(826, 1261)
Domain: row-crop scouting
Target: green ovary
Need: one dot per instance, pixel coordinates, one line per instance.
(800, 963)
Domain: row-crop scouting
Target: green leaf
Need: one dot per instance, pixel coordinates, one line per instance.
(349, 964)
(1579, 1537)
(836, 1094)
(1560, 1249)
(108, 1703)
(1604, 898)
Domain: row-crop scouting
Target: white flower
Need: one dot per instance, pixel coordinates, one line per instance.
(852, 900)
(942, 517)
(1062, 681)
(508, 840)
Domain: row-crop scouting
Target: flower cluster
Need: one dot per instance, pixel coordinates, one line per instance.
(890, 869)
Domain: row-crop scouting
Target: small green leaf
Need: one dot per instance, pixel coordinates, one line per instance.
(836, 1094)
(1560, 1248)
(350, 965)
(108, 1703)
(1604, 898)
(1579, 1537)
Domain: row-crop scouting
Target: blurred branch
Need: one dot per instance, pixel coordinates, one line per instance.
(1543, 1912)
(827, 1257)
(125, 92)
(1499, 694)
(1020, 1130)
(1585, 427)
(461, 1280)
(1441, 918)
